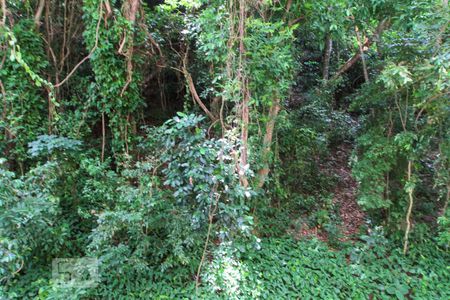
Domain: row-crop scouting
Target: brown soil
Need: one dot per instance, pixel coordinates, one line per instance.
(352, 216)
(345, 192)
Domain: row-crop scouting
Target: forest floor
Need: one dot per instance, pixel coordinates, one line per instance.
(337, 165)
(344, 198)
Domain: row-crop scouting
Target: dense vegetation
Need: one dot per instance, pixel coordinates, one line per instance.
(240, 149)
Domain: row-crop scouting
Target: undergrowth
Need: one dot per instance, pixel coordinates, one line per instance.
(283, 268)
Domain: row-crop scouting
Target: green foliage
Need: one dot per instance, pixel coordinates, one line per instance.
(153, 216)
(282, 267)
(444, 226)
(119, 93)
(27, 219)
(24, 109)
(401, 123)
(47, 144)
(307, 269)
(270, 60)
(88, 173)
(298, 143)
(370, 171)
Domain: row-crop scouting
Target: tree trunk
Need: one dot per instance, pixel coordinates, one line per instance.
(4, 114)
(130, 10)
(327, 56)
(267, 142)
(38, 14)
(361, 54)
(409, 212)
(245, 97)
(3, 22)
(102, 157)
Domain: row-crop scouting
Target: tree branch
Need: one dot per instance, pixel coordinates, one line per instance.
(194, 94)
(88, 56)
(365, 47)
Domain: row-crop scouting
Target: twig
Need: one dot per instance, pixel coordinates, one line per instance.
(90, 53)
(400, 113)
(15, 272)
(205, 247)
